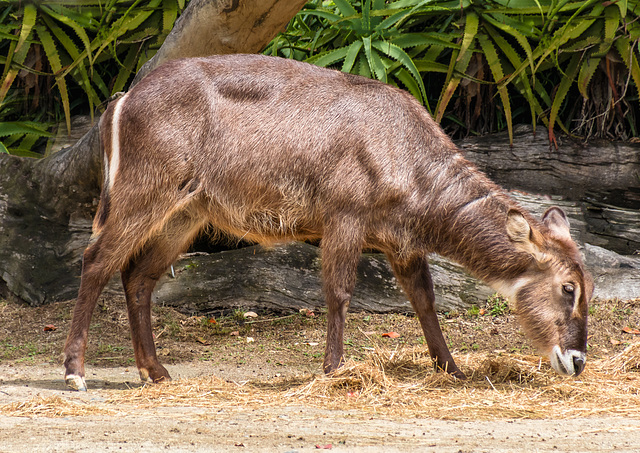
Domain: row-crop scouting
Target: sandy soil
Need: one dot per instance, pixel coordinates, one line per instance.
(295, 428)
(193, 347)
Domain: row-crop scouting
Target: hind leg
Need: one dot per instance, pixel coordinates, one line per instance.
(413, 274)
(97, 269)
(139, 277)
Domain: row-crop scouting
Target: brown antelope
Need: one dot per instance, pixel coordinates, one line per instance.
(271, 150)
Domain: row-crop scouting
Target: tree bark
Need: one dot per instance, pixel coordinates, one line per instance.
(287, 278)
(240, 27)
(603, 176)
(572, 171)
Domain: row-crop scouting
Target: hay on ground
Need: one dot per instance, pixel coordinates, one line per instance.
(628, 360)
(402, 383)
(52, 406)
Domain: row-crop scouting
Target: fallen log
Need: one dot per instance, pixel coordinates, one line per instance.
(287, 278)
(603, 176)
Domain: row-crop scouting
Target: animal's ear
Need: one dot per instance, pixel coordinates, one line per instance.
(518, 228)
(556, 220)
(523, 236)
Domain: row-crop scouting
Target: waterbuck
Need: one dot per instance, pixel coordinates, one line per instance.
(271, 150)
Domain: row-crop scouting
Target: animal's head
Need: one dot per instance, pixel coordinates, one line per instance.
(551, 297)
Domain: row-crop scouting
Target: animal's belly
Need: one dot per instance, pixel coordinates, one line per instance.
(267, 225)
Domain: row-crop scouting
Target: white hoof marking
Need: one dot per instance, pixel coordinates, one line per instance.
(76, 382)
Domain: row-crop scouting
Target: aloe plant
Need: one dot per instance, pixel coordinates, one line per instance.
(371, 38)
(21, 137)
(537, 53)
(503, 60)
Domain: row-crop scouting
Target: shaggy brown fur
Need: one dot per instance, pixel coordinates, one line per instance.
(268, 150)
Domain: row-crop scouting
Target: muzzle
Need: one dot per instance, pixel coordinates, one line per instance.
(569, 362)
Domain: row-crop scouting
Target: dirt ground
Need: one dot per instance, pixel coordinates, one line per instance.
(269, 394)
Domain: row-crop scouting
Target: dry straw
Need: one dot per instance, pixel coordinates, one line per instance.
(52, 406)
(402, 383)
(399, 383)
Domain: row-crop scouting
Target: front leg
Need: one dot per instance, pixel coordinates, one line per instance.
(341, 250)
(415, 278)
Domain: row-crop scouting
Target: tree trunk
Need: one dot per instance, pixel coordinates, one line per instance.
(572, 171)
(46, 205)
(209, 27)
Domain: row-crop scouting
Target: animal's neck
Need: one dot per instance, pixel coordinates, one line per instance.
(472, 230)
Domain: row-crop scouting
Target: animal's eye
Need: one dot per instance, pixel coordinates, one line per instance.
(568, 288)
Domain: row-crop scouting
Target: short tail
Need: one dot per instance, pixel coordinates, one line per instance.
(107, 146)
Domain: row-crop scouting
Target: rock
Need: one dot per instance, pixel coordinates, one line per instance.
(614, 276)
(287, 278)
(598, 257)
(623, 284)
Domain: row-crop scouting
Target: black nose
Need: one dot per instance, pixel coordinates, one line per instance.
(578, 365)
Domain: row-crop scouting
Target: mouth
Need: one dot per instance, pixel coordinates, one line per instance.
(569, 362)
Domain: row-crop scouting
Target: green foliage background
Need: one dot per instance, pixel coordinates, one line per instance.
(64, 57)
(483, 65)
(478, 66)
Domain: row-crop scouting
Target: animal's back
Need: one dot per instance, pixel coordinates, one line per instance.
(275, 144)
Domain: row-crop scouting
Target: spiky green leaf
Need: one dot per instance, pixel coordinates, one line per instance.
(587, 70)
(519, 37)
(23, 127)
(169, 15)
(427, 65)
(563, 88)
(396, 53)
(29, 15)
(80, 74)
(54, 60)
(498, 74)
(630, 58)
(362, 66)
(375, 62)
(345, 8)
(420, 39)
(329, 57)
(366, 18)
(125, 71)
(398, 14)
(322, 14)
(622, 5)
(411, 85)
(571, 30)
(470, 32)
(522, 81)
(79, 31)
(351, 55)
